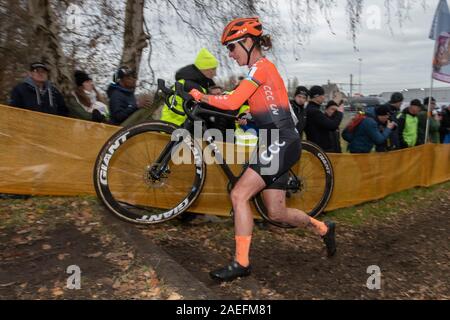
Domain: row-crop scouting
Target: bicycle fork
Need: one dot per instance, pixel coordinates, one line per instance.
(161, 166)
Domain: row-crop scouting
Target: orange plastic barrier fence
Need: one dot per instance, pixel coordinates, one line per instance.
(42, 154)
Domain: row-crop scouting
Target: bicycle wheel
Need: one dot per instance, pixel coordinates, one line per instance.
(137, 185)
(310, 184)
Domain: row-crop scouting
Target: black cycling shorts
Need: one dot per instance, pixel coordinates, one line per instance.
(272, 163)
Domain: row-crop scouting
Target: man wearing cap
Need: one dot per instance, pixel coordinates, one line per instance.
(37, 93)
(394, 105)
(298, 105)
(125, 109)
(363, 137)
(195, 76)
(318, 126)
(408, 124)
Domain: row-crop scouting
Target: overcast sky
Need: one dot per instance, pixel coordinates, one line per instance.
(392, 59)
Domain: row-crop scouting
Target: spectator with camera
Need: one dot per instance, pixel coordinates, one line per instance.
(319, 126)
(394, 105)
(366, 132)
(335, 136)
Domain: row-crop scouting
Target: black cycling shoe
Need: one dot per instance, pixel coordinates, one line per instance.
(330, 238)
(230, 272)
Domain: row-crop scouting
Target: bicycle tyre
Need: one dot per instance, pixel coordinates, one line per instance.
(320, 160)
(111, 165)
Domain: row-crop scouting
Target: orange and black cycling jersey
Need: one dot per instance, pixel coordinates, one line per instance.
(266, 94)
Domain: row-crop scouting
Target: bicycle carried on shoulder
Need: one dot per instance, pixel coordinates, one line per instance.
(138, 178)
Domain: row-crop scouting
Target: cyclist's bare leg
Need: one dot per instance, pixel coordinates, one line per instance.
(247, 186)
(275, 202)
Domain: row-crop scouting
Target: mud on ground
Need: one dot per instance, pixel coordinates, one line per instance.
(409, 241)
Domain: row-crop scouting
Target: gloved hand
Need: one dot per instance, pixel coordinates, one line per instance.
(97, 116)
(197, 95)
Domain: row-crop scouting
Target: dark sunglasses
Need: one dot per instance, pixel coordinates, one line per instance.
(232, 46)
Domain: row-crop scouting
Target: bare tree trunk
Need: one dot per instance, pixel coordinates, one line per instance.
(134, 37)
(46, 38)
(14, 48)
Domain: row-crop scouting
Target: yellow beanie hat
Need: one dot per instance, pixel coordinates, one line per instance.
(205, 60)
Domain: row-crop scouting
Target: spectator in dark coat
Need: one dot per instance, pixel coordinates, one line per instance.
(433, 133)
(37, 93)
(122, 101)
(394, 105)
(335, 136)
(367, 134)
(298, 105)
(125, 109)
(318, 125)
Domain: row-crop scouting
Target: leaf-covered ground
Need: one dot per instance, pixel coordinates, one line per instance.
(407, 235)
(41, 237)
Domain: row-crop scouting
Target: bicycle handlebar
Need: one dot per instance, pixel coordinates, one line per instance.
(187, 98)
(162, 87)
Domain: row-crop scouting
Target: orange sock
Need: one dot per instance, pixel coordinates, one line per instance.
(320, 226)
(243, 250)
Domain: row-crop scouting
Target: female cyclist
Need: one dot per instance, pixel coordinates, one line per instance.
(269, 105)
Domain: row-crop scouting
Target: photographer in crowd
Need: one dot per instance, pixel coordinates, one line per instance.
(319, 126)
(365, 134)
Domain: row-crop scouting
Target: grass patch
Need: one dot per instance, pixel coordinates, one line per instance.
(392, 205)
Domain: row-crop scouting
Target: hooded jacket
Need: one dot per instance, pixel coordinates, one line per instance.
(194, 78)
(393, 141)
(191, 78)
(28, 95)
(122, 103)
(366, 136)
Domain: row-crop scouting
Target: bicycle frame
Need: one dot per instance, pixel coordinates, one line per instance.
(192, 116)
(164, 157)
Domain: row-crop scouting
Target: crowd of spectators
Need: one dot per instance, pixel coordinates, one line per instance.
(379, 128)
(38, 93)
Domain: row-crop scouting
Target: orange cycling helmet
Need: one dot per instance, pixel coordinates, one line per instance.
(241, 28)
